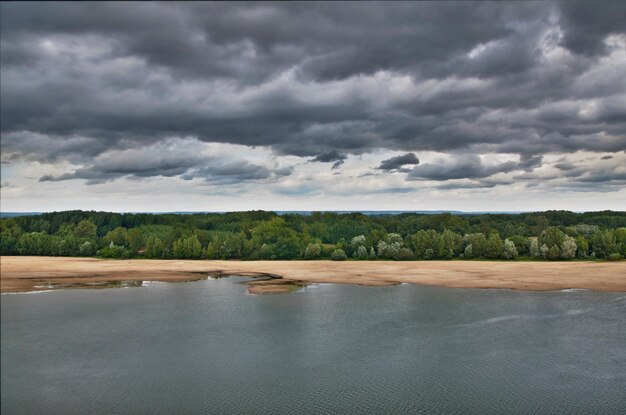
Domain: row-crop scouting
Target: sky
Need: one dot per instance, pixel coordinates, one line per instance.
(507, 106)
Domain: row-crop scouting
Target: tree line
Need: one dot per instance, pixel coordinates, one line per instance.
(551, 235)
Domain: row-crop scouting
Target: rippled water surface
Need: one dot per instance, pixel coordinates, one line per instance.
(209, 347)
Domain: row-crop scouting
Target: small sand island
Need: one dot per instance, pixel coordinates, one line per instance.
(24, 273)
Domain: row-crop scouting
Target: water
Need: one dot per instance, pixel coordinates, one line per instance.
(209, 347)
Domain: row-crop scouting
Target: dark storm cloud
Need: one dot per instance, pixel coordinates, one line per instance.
(231, 172)
(396, 163)
(212, 171)
(321, 80)
(113, 168)
(168, 159)
(459, 167)
(586, 24)
(582, 175)
(330, 156)
(529, 162)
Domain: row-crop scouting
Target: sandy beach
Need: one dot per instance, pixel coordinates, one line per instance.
(42, 273)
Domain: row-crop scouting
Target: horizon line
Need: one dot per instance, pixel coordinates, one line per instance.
(312, 211)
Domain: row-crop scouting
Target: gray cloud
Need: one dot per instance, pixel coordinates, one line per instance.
(585, 24)
(460, 167)
(396, 163)
(230, 172)
(171, 158)
(565, 166)
(83, 82)
(529, 162)
(581, 175)
(213, 170)
(474, 184)
(330, 156)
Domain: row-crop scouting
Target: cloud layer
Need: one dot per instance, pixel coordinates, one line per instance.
(482, 93)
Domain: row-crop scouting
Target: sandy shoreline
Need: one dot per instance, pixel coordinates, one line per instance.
(41, 273)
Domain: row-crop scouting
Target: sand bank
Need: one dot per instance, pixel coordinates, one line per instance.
(41, 273)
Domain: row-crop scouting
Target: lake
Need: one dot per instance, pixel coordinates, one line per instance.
(210, 347)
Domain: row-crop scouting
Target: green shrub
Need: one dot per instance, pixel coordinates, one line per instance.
(338, 255)
(114, 251)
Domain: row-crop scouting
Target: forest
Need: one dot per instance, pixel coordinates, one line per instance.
(255, 235)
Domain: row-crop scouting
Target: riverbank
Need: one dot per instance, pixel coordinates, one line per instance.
(43, 273)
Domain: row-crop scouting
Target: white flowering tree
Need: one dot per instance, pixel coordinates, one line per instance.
(358, 241)
(360, 253)
(568, 249)
(534, 248)
(312, 251)
(510, 251)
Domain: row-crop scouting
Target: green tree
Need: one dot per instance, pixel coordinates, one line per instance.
(117, 236)
(114, 251)
(404, 254)
(478, 242)
(312, 251)
(87, 248)
(10, 232)
(394, 238)
(338, 255)
(393, 248)
(383, 249)
(34, 243)
(522, 244)
(360, 253)
(554, 252)
(620, 240)
(39, 225)
(357, 241)
(172, 235)
(424, 240)
(541, 224)
(494, 247)
(450, 244)
(85, 229)
(372, 254)
(254, 235)
(187, 248)
(135, 239)
(552, 236)
(582, 247)
(154, 247)
(603, 243)
(281, 241)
